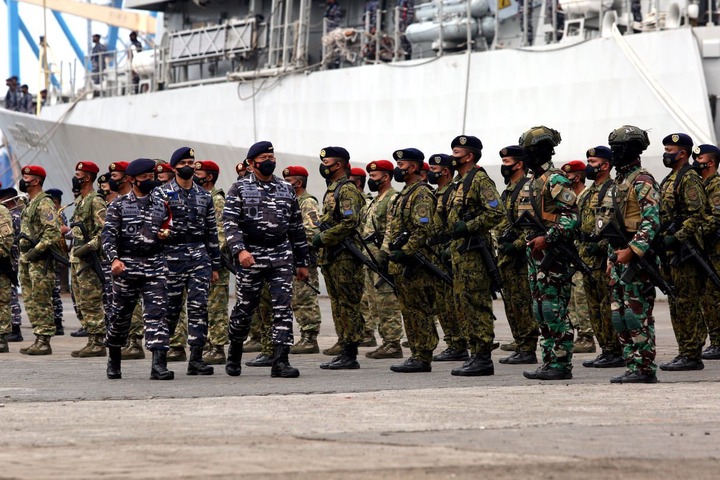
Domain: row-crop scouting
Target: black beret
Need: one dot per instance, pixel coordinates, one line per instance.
(140, 166)
(600, 151)
(467, 141)
(679, 139)
(55, 193)
(441, 159)
(259, 148)
(410, 154)
(705, 148)
(515, 151)
(334, 152)
(179, 154)
(104, 178)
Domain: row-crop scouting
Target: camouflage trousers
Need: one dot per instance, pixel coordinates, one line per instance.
(37, 284)
(578, 311)
(518, 304)
(305, 303)
(686, 312)
(15, 309)
(344, 280)
(711, 307)
(550, 291)
(381, 310)
(600, 312)
(218, 319)
(193, 276)
(5, 299)
(632, 318)
(126, 291)
(262, 320)
(57, 298)
(179, 338)
(416, 294)
(137, 325)
(249, 285)
(473, 301)
(88, 291)
(448, 316)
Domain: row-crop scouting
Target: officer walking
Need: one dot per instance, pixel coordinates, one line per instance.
(264, 230)
(135, 226)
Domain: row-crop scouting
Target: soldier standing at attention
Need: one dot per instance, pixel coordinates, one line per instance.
(513, 265)
(40, 229)
(264, 229)
(549, 200)
(343, 273)
(56, 195)
(682, 207)
(707, 158)
(7, 239)
(631, 208)
(305, 299)
(192, 253)
(593, 252)
(475, 209)
(409, 227)
(9, 198)
(131, 239)
(86, 225)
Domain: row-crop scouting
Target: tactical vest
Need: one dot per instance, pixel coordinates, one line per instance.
(28, 213)
(588, 215)
(537, 200)
(622, 204)
(86, 215)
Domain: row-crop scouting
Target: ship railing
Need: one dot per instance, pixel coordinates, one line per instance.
(111, 74)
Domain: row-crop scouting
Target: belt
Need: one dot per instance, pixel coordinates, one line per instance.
(266, 242)
(139, 252)
(184, 238)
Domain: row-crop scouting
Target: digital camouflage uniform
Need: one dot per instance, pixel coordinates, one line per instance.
(684, 207)
(305, 301)
(15, 309)
(711, 227)
(7, 239)
(219, 293)
(57, 290)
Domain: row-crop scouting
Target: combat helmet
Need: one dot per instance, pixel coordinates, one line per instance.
(627, 143)
(539, 144)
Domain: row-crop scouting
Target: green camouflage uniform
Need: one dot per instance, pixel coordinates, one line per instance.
(343, 274)
(685, 207)
(593, 252)
(383, 311)
(710, 305)
(220, 290)
(637, 195)
(305, 300)
(179, 338)
(471, 280)
(411, 213)
(7, 238)
(40, 222)
(263, 318)
(513, 269)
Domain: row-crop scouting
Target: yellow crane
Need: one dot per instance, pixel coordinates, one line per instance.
(109, 15)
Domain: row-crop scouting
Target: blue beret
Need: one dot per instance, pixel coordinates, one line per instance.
(679, 139)
(467, 141)
(179, 154)
(140, 166)
(54, 192)
(411, 154)
(440, 159)
(706, 148)
(334, 152)
(600, 151)
(9, 192)
(259, 148)
(515, 151)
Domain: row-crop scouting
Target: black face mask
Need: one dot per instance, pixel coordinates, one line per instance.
(700, 166)
(669, 159)
(591, 172)
(77, 183)
(23, 185)
(186, 172)
(399, 174)
(114, 185)
(199, 181)
(265, 168)
(506, 171)
(434, 177)
(325, 171)
(147, 186)
(374, 185)
(102, 192)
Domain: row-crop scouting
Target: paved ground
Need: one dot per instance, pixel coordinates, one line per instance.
(61, 418)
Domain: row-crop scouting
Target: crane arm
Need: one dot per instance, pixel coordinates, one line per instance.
(111, 16)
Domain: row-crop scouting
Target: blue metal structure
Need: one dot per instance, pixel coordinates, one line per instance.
(71, 38)
(13, 37)
(113, 31)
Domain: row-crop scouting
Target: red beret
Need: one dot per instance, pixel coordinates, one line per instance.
(207, 165)
(426, 166)
(574, 166)
(163, 168)
(118, 166)
(380, 166)
(241, 167)
(34, 170)
(295, 171)
(357, 172)
(88, 167)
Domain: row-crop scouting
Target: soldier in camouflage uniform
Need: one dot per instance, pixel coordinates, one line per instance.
(383, 311)
(86, 224)
(8, 275)
(409, 227)
(206, 174)
(631, 208)
(264, 229)
(593, 252)
(682, 207)
(305, 300)
(40, 232)
(56, 195)
(342, 204)
(262, 323)
(441, 174)
(707, 159)
(9, 198)
(135, 225)
(475, 209)
(548, 199)
(512, 262)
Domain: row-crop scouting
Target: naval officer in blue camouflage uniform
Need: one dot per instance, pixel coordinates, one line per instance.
(192, 252)
(132, 241)
(265, 233)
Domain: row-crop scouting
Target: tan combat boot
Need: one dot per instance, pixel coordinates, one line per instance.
(176, 354)
(134, 349)
(584, 345)
(94, 348)
(335, 350)
(252, 346)
(508, 347)
(386, 350)
(368, 340)
(40, 347)
(4, 344)
(214, 355)
(306, 344)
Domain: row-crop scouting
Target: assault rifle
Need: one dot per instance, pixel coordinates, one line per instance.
(420, 259)
(479, 244)
(6, 266)
(49, 254)
(94, 262)
(690, 251)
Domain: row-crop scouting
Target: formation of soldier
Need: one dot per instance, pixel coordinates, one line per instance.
(154, 248)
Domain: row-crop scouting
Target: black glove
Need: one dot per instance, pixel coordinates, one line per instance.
(398, 256)
(593, 249)
(671, 241)
(460, 229)
(33, 255)
(83, 251)
(382, 258)
(446, 256)
(507, 249)
(317, 240)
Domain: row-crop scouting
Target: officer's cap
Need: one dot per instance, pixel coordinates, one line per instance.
(259, 148)
(140, 166)
(573, 166)
(600, 151)
(380, 166)
(467, 141)
(679, 139)
(334, 152)
(295, 171)
(9, 192)
(705, 148)
(104, 178)
(181, 154)
(162, 168)
(409, 154)
(120, 166)
(207, 166)
(514, 151)
(357, 172)
(55, 193)
(36, 170)
(441, 159)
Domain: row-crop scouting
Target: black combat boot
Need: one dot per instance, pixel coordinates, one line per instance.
(15, 334)
(113, 365)
(262, 360)
(545, 372)
(233, 365)
(347, 360)
(281, 365)
(451, 355)
(196, 366)
(59, 329)
(412, 365)
(159, 369)
(481, 365)
(518, 357)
